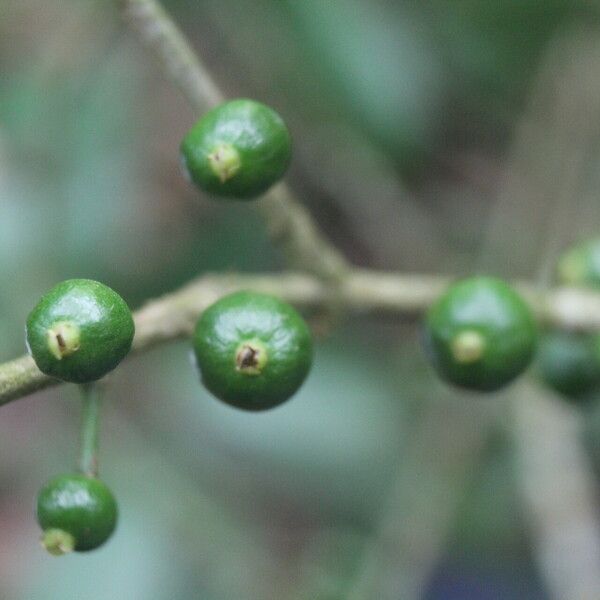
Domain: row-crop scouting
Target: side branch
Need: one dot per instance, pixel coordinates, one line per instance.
(173, 52)
(289, 224)
(173, 316)
(20, 377)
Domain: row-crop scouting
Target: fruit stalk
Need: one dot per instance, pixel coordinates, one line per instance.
(90, 425)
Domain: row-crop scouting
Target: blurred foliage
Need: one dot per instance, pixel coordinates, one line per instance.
(215, 503)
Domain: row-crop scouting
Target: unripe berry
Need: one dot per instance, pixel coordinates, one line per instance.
(75, 512)
(480, 334)
(237, 150)
(79, 331)
(569, 363)
(253, 350)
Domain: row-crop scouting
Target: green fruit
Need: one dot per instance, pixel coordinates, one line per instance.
(569, 363)
(79, 331)
(580, 265)
(238, 149)
(480, 334)
(253, 350)
(76, 513)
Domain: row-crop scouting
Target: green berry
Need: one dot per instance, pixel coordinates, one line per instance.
(238, 150)
(480, 334)
(580, 265)
(569, 363)
(79, 331)
(253, 350)
(75, 512)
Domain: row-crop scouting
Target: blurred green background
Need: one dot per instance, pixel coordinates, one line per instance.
(404, 117)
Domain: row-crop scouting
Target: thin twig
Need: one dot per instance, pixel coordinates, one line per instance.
(289, 224)
(174, 54)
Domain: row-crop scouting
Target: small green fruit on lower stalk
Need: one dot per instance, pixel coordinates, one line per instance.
(76, 513)
(79, 331)
(480, 334)
(253, 350)
(238, 150)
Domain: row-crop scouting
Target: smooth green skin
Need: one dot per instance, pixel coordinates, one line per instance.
(580, 265)
(569, 363)
(258, 134)
(492, 308)
(80, 505)
(105, 323)
(242, 317)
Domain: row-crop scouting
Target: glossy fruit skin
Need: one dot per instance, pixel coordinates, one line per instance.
(569, 363)
(492, 310)
(82, 506)
(580, 265)
(105, 327)
(258, 135)
(259, 319)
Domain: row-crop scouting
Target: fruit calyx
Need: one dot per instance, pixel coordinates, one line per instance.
(468, 346)
(224, 161)
(63, 339)
(57, 542)
(251, 357)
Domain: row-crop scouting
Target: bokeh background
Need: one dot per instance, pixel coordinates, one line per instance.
(433, 137)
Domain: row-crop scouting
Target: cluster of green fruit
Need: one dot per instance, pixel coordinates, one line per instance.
(254, 351)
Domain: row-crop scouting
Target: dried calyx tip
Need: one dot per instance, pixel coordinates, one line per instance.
(58, 542)
(224, 161)
(251, 357)
(468, 346)
(63, 339)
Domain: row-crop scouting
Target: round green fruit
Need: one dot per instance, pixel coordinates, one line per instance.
(480, 334)
(238, 150)
(253, 350)
(75, 512)
(569, 363)
(79, 331)
(580, 265)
